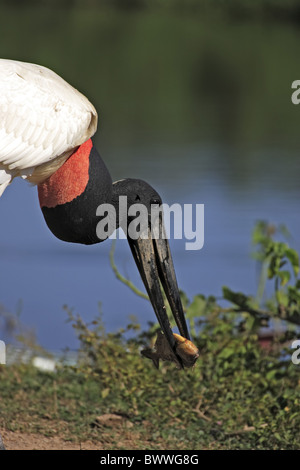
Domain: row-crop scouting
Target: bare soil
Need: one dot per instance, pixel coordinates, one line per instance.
(112, 431)
(26, 441)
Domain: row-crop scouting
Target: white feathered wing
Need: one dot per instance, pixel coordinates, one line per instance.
(42, 120)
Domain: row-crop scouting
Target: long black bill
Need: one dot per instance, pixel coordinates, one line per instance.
(154, 262)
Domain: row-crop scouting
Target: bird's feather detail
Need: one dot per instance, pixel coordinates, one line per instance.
(42, 120)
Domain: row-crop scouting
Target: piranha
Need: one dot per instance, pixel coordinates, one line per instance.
(185, 349)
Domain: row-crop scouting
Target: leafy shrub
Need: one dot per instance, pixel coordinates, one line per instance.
(239, 394)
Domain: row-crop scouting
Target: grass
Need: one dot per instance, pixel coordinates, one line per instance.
(239, 395)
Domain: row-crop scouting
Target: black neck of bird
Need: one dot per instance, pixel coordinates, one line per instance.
(70, 198)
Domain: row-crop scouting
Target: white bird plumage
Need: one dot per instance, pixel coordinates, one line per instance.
(42, 120)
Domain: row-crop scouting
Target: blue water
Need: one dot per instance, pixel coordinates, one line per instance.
(44, 273)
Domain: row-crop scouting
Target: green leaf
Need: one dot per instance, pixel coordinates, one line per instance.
(226, 353)
(197, 307)
(282, 298)
(105, 392)
(235, 297)
(284, 277)
(293, 257)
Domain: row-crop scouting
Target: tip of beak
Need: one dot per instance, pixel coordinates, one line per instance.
(186, 351)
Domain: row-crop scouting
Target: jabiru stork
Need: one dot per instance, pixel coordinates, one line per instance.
(46, 127)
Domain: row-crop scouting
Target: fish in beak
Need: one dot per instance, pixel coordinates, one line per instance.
(154, 261)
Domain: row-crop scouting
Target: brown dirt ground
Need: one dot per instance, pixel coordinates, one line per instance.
(114, 431)
(26, 441)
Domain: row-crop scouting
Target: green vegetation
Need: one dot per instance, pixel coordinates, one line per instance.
(239, 395)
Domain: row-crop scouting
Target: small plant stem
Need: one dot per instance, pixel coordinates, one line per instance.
(122, 278)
